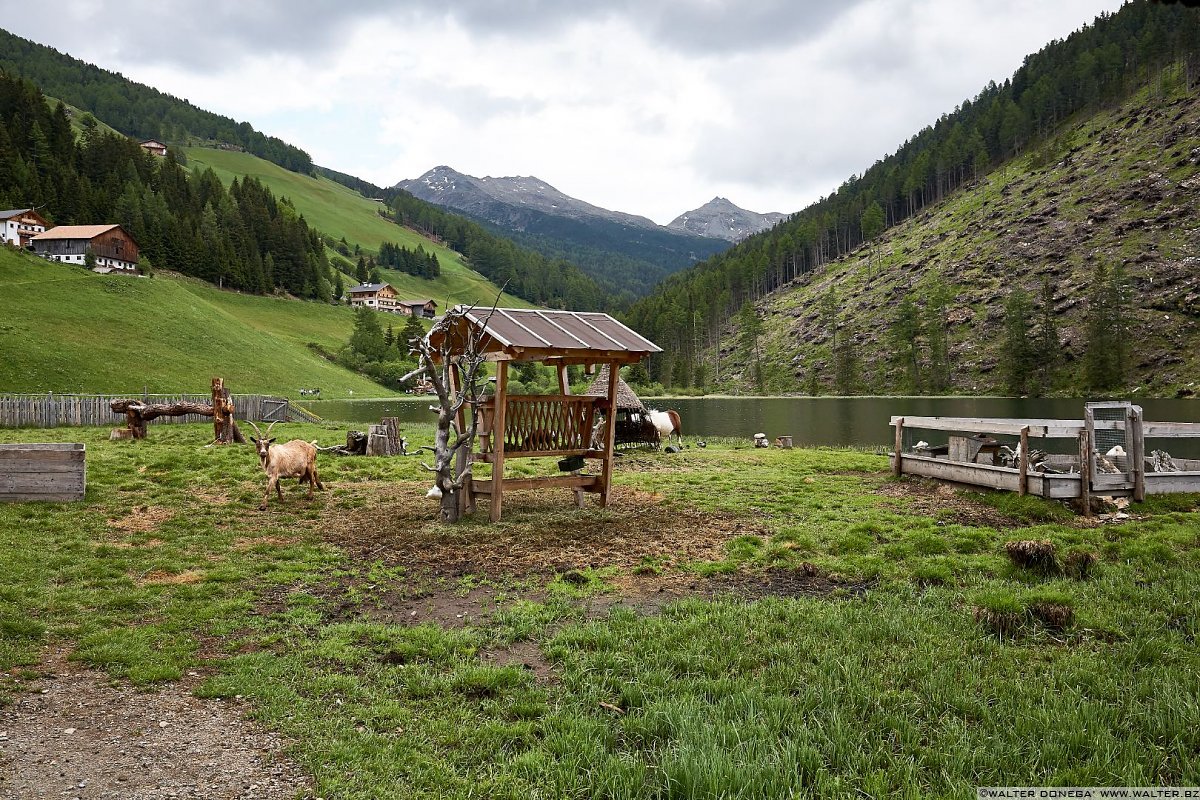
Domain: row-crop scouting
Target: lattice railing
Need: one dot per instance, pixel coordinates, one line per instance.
(551, 423)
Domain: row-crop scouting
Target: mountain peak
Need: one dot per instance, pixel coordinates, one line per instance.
(720, 218)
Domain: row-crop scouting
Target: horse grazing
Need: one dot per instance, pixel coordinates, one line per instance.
(667, 424)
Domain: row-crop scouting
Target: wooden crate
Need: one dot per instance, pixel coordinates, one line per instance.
(54, 472)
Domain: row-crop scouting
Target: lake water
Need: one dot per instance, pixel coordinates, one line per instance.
(814, 421)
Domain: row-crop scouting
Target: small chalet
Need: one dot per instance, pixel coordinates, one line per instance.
(426, 309)
(379, 296)
(111, 245)
(19, 225)
(155, 147)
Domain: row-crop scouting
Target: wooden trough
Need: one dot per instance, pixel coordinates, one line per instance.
(51, 472)
(1077, 476)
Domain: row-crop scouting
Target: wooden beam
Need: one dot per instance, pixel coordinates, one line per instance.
(498, 442)
(583, 483)
(898, 464)
(1166, 430)
(564, 386)
(1041, 428)
(488, 458)
(1023, 483)
(1085, 471)
(1137, 454)
(610, 431)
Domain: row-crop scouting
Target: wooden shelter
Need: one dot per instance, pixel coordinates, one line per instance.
(556, 425)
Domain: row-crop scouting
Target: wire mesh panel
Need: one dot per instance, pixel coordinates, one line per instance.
(1112, 444)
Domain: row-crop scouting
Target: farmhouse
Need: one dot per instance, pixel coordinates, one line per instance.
(19, 225)
(418, 308)
(111, 245)
(379, 296)
(155, 147)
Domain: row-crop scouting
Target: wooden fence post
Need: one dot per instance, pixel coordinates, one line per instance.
(1085, 471)
(1137, 456)
(898, 466)
(1023, 481)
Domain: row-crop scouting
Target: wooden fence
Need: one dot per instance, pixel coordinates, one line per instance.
(64, 410)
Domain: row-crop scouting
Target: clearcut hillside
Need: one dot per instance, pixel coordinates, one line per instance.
(1119, 189)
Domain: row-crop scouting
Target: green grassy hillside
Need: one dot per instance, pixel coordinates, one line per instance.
(64, 329)
(340, 212)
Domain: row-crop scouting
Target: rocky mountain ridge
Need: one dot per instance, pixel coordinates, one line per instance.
(720, 218)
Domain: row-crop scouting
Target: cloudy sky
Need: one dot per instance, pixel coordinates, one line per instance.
(647, 106)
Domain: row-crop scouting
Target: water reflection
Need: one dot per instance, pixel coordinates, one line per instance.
(828, 421)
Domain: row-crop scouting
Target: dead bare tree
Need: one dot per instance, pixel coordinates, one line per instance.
(451, 356)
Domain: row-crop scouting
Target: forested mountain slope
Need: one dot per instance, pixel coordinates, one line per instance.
(1083, 162)
(134, 108)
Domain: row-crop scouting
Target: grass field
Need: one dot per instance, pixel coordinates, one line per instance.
(738, 623)
(340, 212)
(64, 329)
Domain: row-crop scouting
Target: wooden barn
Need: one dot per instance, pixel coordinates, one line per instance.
(155, 147)
(422, 309)
(111, 245)
(19, 225)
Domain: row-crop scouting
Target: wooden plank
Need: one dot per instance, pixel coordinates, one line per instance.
(489, 458)
(1169, 482)
(584, 483)
(1041, 428)
(20, 466)
(58, 447)
(1167, 430)
(496, 506)
(30, 481)
(60, 497)
(973, 474)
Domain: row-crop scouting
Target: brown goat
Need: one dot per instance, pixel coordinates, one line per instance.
(295, 459)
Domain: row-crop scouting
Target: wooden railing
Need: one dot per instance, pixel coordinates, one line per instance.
(540, 425)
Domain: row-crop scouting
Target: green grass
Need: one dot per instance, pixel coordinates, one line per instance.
(340, 212)
(897, 688)
(64, 329)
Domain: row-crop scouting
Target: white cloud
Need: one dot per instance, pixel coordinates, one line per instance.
(649, 107)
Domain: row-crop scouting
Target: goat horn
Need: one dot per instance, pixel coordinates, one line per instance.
(272, 425)
(256, 430)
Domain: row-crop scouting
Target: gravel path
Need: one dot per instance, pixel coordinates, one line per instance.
(79, 735)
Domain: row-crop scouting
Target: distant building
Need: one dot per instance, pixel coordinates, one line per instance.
(154, 146)
(113, 247)
(19, 225)
(379, 296)
(418, 308)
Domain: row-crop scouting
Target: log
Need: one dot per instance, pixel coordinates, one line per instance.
(138, 413)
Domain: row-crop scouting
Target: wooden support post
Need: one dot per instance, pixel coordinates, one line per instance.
(462, 458)
(1137, 454)
(1023, 481)
(898, 466)
(1085, 471)
(564, 385)
(610, 432)
(498, 434)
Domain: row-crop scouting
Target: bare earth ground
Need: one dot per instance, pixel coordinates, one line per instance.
(79, 735)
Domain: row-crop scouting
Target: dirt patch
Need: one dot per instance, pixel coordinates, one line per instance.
(526, 655)
(249, 542)
(939, 500)
(142, 519)
(446, 608)
(135, 545)
(161, 578)
(78, 735)
(541, 534)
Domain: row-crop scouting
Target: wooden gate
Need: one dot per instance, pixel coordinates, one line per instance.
(274, 409)
(1115, 431)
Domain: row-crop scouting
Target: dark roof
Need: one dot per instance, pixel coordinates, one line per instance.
(369, 287)
(533, 334)
(13, 212)
(627, 399)
(417, 302)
